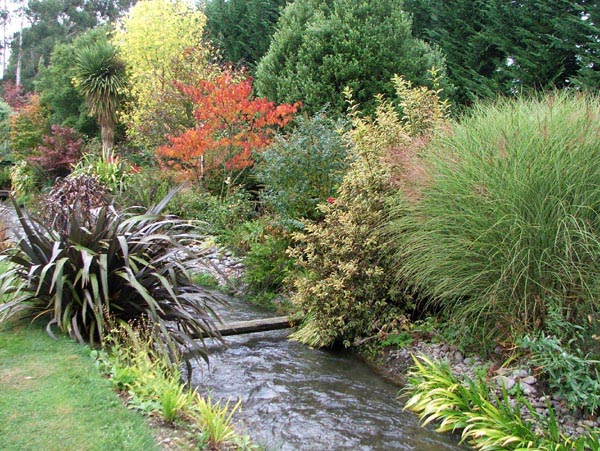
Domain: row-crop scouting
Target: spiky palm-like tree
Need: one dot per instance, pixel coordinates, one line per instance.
(100, 77)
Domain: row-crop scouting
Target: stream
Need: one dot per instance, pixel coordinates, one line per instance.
(298, 398)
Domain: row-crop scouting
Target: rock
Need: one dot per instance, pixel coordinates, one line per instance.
(458, 357)
(527, 389)
(520, 373)
(529, 380)
(506, 382)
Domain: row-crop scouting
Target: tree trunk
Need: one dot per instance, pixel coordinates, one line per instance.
(107, 135)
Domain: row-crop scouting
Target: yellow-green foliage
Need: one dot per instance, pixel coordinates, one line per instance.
(486, 422)
(113, 172)
(160, 42)
(346, 288)
(214, 420)
(23, 179)
(154, 385)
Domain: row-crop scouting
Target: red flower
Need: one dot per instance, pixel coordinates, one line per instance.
(330, 200)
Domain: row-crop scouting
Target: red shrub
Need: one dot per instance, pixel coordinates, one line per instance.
(59, 152)
(231, 124)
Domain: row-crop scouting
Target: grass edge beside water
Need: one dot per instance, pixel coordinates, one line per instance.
(53, 397)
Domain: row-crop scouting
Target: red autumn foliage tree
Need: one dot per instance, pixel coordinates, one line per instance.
(230, 126)
(60, 151)
(14, 95)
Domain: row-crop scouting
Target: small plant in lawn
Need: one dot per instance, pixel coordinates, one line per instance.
(214, 419)
(173, 399)
(129, 265)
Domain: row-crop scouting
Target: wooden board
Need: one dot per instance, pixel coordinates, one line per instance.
(253, 326)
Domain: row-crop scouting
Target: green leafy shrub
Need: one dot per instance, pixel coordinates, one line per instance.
(206, 280)
(568, 370)
(346, 285)
(240, 237)
(124, 264)
(506, 217)
(146, 188)
(218, 214)
(267, 266)
(23, 179)
(114, 172)
(27, 128)
(304, 168)
(321, 47)
(5, 179)
(5, 112)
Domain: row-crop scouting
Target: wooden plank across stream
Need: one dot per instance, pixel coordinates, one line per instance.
(255, 325)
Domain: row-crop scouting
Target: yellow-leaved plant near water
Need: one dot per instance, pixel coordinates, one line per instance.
(485, 421)
(344, 286)
(153, 384)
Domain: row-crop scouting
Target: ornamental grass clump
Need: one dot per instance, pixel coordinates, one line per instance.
(506, 219)
(131, 266)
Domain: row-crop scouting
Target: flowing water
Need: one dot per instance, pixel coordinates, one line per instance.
(297, 398)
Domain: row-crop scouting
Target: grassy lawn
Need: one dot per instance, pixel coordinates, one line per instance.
(53, 398)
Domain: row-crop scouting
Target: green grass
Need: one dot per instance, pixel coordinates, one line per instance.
(52, 397)
(506, 219)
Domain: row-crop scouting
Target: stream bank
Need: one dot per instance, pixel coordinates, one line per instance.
(298, 398)
(393, 363)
